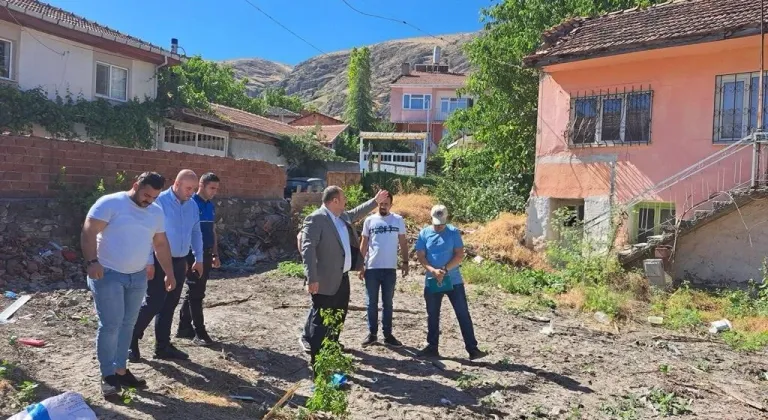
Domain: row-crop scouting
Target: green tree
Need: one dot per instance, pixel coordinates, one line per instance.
(197, 83)
(277, 97)
(302, 149)
(504, 114)
(359, 108)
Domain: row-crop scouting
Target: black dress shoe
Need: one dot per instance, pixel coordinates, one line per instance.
(170, 352)
(131, 381)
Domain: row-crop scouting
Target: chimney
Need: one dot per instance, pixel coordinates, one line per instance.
(436, 55)
(405, 69)
(174, 46)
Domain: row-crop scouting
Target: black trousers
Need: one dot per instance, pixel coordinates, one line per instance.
(160, 304)
(317, 330)
(191, 312)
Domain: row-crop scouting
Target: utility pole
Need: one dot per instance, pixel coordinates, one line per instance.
(760, 110)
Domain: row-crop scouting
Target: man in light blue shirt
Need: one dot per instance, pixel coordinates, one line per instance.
(182, 227)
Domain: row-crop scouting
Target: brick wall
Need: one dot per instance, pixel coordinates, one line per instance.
(30, 165)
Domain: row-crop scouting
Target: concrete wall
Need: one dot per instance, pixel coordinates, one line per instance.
(721, 252)
(59, 66)
(541, 210)
(249, 149)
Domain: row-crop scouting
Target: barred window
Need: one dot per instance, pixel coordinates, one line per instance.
(610, 118)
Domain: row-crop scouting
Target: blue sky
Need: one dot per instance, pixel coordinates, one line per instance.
(226, 29)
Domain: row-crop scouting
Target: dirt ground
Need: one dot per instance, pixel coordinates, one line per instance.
(583, 370)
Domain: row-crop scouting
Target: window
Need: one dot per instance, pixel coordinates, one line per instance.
(652, 219)
(611, 118)
(193, 139)
(448, 105)
(111, 82)
(736, 97)
(5, 59)
(417, 102)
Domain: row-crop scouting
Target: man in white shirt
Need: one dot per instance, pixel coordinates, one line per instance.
(383, 233)
(118, 234)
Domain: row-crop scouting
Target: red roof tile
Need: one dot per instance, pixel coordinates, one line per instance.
(68, 20)
(253, 121)
(678, 22)
(327, 133)
(418, 78)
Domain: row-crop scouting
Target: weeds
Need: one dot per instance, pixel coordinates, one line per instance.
(602, 298)
(746, 341)
(467, 381)
(26, 392)
(327, 397)
(513, 280)
(291, 269)
(668, 403)
(128, 395)
(626, 409)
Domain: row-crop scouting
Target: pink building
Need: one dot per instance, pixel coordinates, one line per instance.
(422, 98)
(643, 113)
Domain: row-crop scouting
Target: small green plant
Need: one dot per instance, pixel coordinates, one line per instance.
(291, 269)
(668, 403)
(5, 368)
(327, 397)
(26, 392)
(84, 198)
(513, 280)
(602, 298)
(746, 341)
(678, 309)
(704, 366)
(128, 395)
(13, 340)
(467, 381)
(625, 409)
(85, 320)
(664, 368)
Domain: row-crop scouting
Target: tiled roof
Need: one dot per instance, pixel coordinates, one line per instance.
(327, 133)
(276, 111)
(253, 121)
(674, 23)
(66, 19)
(416, 78)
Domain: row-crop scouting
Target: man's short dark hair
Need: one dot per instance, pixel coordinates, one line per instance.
(331, 193)
(152, 179)
(209, 177)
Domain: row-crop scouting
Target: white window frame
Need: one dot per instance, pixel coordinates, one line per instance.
(720, 81)
(408, 100)
(456, 101)
(109, 86)
(599, 122)
(10, 59)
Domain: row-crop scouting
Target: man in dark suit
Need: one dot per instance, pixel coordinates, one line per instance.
(330, 249)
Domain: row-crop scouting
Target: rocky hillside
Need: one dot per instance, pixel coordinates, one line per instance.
(260, 73)
(322, 80)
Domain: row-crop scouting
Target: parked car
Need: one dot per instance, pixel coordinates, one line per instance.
(306, 184)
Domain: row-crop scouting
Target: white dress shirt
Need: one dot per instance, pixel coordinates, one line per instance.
(341, 227)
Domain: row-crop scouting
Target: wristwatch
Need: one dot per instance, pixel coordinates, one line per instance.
(91, 262)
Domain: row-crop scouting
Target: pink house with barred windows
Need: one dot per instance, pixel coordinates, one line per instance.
(648, 131)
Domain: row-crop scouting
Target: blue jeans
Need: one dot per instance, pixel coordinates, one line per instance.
(118, 299)
(384, 279)
(458, 298)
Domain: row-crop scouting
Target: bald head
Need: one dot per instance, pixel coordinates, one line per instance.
(185, 184)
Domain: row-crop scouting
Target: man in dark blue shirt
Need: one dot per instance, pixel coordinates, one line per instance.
(191, 321)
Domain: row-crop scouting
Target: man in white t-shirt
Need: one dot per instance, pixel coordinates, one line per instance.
(118, 234)
(383, 233)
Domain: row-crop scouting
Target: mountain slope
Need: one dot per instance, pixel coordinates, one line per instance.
(322, 80)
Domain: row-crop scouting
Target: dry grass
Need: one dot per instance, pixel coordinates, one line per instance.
(414, 208)
(193, 395)
(503, 239)
(572, 299)
(754, 324)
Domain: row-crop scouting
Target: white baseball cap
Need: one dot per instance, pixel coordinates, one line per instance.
(439, 215)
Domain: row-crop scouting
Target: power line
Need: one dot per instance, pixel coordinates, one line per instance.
(30, 33)
(284, 27)
(391, 20)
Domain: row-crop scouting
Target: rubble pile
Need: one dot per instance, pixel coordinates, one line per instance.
(260, 232)
(34, 265)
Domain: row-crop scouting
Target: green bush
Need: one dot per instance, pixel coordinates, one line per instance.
(603, 298)
(355, 195)
(480, 200)
(291, 269)
(513, 280)
(395, 183)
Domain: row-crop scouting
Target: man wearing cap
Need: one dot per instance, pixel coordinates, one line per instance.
(440, 250)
